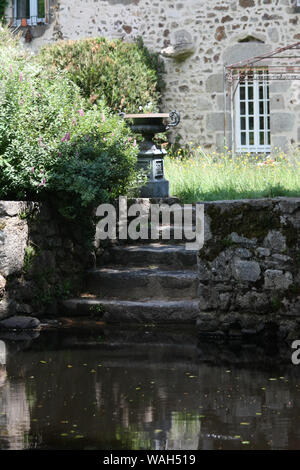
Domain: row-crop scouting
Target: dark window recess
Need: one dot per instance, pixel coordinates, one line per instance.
(23, 9)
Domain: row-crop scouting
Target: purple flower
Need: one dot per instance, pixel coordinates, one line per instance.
(74, 122)
(81, 112)
(41, 141)
(66, 137)
(104, 139)
(43, 182)
(32, 169)
(103, 117)
(21, 77)
(134, 143)
(10, 68)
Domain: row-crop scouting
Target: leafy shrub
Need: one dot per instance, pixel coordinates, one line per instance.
(125, 75)
(51, 144)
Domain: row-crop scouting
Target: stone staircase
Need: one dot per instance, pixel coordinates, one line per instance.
(153, 281)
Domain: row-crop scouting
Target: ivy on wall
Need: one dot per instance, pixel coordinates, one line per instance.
(3, 5)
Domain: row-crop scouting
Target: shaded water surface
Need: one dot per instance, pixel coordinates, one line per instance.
(112, 389)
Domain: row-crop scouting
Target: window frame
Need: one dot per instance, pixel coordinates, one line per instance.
(253, 123)
(33, 19)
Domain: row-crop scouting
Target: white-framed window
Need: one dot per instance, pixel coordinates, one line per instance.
(252, 113)
(298, 3)
(31, 12)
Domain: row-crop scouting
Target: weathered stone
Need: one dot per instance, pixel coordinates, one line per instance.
(2, 285)
(235, 238)
(207, 322)
(14, 241)
(282, 122)
(275, 241)
(273, 34)
(216, 122)
(277, 279)
(279, 142)
(20, 323)
(277, 102)
(253, 302)
(248, 271)
(220, 33)
(215, 83)
(244, 51)
(263, 251)
(247, 3)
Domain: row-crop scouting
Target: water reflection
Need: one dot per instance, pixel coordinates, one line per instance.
(14, 409)
(79, 391)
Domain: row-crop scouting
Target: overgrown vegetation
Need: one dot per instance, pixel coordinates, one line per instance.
(199, 176)
(125, 75)
(52, 145)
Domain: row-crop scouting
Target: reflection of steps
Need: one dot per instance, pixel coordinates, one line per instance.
(142, 281)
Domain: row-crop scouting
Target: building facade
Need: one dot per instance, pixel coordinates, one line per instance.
(196, 39)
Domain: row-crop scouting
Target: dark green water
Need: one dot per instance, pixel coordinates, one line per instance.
(111, 389)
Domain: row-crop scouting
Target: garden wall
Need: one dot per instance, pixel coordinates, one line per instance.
(249, 268)
(42, 259)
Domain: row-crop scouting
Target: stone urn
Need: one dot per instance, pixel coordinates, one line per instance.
(151, 156)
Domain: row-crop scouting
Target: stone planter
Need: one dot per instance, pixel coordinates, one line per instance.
(151, 156)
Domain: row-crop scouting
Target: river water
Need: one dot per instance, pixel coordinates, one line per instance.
(108, 388)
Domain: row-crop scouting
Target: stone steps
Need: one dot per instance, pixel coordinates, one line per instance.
(142, 283)
(124, 311)
(158, 254)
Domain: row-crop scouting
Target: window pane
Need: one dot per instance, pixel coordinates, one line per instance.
(269, 138)
(23, 9)
(261, 138)
(41, 8)
(261, 107)
(251, 138)
(243, 138)
(250, 93)
(250, 108)
(261, 122)
(261, 92)
(243, 123)
(243, 108)
(251, 123)
(242, 93)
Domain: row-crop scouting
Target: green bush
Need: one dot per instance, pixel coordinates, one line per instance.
(125, 75)
(51, 144)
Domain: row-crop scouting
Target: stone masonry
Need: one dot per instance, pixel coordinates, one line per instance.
(196, 38)
(42, 259)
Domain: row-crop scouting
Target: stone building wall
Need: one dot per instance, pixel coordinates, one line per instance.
(42, 259)
(208, 35)
(249, 268)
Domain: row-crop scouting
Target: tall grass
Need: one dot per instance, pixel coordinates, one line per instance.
(198, 176)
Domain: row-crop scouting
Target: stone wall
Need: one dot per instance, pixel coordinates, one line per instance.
(42, 259)
(197, 38)
(249, 268)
